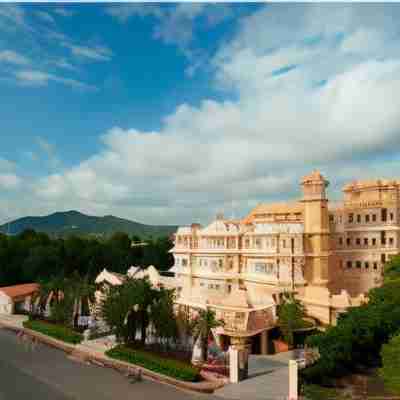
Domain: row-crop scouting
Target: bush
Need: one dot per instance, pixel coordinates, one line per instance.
(390, 371)
(358, 337)
(173, 368)
(56, 331)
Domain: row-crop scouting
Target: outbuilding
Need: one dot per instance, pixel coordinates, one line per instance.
(15, 299)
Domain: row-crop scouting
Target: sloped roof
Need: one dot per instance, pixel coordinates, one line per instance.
(20, 290)
(222, 227)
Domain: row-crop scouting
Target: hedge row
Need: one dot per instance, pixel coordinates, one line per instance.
(173, 368)
(56, 331)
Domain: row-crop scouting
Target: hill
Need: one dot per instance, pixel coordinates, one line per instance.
(61, 224)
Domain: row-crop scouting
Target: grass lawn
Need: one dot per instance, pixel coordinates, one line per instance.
(55, 331)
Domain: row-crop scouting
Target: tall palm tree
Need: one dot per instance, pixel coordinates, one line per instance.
(204, 322)
(82, 292)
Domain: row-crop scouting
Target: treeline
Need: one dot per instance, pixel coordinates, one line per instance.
(32, 256)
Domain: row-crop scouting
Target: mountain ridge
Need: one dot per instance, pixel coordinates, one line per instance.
(73, 222)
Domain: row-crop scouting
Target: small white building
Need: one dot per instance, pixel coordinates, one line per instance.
(14, 299)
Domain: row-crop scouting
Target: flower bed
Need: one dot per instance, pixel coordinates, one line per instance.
(173, 368)
(56, 331)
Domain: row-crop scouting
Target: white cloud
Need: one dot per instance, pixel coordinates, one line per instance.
(36, 78)
(96, 53)
(45, 16)
(50, 152)
(64, 11)
(302, 100)
(12, 57)
(12, 16)
(177, 24)
(9, 181)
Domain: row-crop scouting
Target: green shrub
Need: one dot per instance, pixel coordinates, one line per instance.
(173, 368)
(390, 371)
(358, 337)
(56, 331)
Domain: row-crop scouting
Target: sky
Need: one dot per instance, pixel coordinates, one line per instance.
(171, 113)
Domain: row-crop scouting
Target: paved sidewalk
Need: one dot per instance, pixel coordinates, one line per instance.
(268, 379)
(14, 321)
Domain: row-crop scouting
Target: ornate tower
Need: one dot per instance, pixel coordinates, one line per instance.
(316, 228)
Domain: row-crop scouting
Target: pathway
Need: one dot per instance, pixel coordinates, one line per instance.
(268, 379)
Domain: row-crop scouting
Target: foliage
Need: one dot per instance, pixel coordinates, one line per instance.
(203, 323)
(315, 392)
(392, 268)
(135, 305)
(153, 362)
(56, 331)
(290, 313)
(359, 335)
(32, 256)
(390, 371)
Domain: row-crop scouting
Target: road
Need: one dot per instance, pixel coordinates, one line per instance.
(47, 374)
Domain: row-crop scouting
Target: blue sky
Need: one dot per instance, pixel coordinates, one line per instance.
(168, 113)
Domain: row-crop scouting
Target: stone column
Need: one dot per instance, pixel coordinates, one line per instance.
(242, 345)
(264, 342)
(293, 393)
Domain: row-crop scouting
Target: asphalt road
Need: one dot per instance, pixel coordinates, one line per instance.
(47, 374)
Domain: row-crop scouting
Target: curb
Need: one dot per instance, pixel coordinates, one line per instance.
(120, 366)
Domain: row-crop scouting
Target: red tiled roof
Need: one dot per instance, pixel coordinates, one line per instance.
(20, 290)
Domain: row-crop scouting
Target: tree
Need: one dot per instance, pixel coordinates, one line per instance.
(390, 370)
(204, 322)
(290, 314)
(163, 316)
(82, 292)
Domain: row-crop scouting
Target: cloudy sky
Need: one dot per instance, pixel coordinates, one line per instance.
(170, 113)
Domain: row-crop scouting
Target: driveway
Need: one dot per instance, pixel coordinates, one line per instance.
(46, 374)
(268, 379)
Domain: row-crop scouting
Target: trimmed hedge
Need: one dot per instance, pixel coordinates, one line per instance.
(56, 331)
(173, 368)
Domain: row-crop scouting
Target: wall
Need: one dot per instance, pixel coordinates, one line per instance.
(6, 305)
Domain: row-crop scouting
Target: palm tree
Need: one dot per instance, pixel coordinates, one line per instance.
(83, 293)
(39, 298)
(204, 322)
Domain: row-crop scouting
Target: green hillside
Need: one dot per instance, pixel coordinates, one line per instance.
(61, 224)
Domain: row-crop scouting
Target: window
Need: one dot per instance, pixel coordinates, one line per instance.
(391, 241)
(391, 216)
(220, 263)
(184, 262)
(247, 243)
(348, 241)
(366, 264)
(383, 258)
(351, 216)
(260, 268)
(367, 218)
(375, 265)
(358, 264)
(258, 243)
(366, 241)
(373, 241)
(331, 218)
(341, 241)
(229, 288)
(358, 218)
(349, 264)
(358, 241)
(383, 237)
(384, 214)
(284, 243)
(373, 217)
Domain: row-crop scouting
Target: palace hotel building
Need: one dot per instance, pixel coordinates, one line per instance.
(329, 255)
